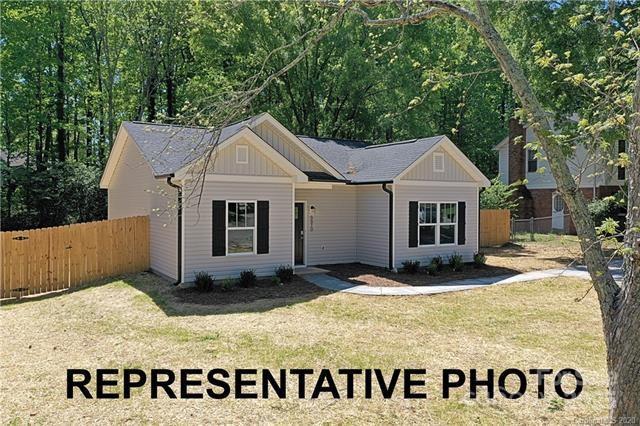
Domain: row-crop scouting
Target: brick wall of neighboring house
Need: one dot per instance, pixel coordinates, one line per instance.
(541, 206)
(516, 170)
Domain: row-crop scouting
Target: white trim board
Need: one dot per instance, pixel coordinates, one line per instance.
(269, 118)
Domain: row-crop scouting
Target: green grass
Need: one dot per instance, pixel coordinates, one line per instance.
(551, 239)
(138, 322)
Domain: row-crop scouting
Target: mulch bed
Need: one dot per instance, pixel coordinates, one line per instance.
(263, 290)
(358, 273)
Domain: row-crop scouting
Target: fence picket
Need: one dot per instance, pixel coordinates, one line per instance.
(494, 227)
(48, 259)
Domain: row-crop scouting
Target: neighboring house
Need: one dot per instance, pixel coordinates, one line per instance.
(540, 197)
(271, 198)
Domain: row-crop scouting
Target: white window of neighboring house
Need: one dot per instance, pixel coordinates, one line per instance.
(241, 227)
(242, 154)
(437, 223)
(532, 161)
(438, 162)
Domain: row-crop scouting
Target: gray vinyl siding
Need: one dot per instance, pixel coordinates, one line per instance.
(453, 171)
(128, 193)
(198, 231)
(133, 191)
(332, 239)
(224, 162)
(406, 193)
(285, 147)
(372, 225)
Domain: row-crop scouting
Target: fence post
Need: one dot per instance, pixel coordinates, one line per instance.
(531, 229)
(513, 229)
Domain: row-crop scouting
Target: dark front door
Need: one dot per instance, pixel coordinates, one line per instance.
(299, 233)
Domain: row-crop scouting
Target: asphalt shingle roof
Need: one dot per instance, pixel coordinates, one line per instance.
(360, 162)
(168, 148)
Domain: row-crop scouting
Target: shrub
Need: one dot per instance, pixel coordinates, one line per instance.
(248, 278)
(275, 281)
(500, 195)
(204, 281)
(455, 262)
(479, 259)
(432, 269)
(227, 285)
(438, 262)
(410, 266)
(284, 273)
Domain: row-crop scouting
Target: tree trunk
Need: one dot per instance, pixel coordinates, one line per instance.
(61, 136)
(171, 95)
(623, 357)
(620, 309)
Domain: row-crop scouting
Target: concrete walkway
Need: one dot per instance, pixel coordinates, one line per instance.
(335, 284)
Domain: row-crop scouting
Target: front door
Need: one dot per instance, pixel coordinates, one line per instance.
(557, 212)
(299, 233)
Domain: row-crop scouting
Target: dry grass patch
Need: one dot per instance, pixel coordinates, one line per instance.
(140, 322)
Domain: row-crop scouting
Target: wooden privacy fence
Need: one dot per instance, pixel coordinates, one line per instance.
(494, 227)
(49, 259)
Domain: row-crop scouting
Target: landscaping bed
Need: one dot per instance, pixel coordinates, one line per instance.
(547, 252)
(263, 289)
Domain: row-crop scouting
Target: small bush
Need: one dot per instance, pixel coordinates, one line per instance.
(455, 262)
(275, 281)
(227, 285)
(479, 259)
(438, 262)
(204, 282)
(432, 269)
(410, 266)
(248, 278)
(284, 273)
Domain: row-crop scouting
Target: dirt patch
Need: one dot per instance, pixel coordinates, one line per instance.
(263, 290)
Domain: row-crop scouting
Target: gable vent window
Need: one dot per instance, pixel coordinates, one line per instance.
(438, 162)
(532, 161)
(621, 150)
(242, 154)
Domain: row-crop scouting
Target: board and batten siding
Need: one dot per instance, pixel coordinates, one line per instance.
(133, 191)
(332, 238)
(224, 162)
(198, 232)
(406, 193)
(453, 171)
(284, 146)
(372, 225)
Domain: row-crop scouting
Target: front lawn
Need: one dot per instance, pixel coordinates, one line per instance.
(141, 322)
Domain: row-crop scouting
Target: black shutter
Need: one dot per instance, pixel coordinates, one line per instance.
(413, 224)
(263, 227)
(219, 227)
(462, 219)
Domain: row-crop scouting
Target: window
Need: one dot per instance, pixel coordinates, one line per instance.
(242, 154)
(621, 150)
(437, 223)
(532, 161)
(558, 203)
(438, 162)
(241, 227)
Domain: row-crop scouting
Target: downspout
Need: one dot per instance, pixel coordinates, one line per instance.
(179, 188)
(390, 192)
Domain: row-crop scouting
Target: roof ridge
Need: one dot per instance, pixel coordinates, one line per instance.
(190, 126)
(326, 138)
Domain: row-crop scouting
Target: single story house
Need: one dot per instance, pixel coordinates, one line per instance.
(261, 197)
